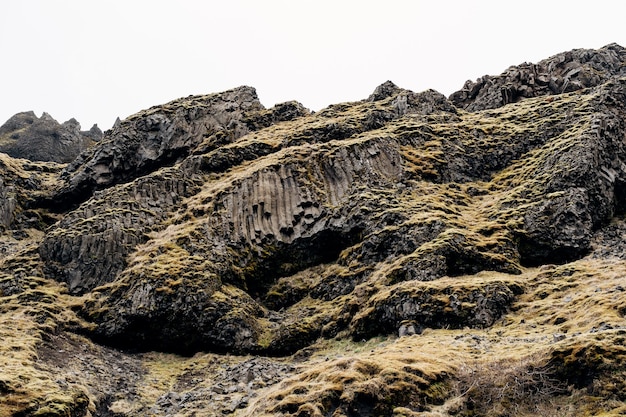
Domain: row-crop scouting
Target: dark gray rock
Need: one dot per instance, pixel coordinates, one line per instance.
(8, 204)
(429, 305)
(563, 73)
(557, 229)
(211, 223)
(89, 246)
(154, 138)
(44, 139)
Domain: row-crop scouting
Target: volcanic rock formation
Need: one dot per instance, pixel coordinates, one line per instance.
(270, 244)
(43, 139)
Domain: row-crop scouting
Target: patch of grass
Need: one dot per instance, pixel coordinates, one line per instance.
(363, 378)
(25, 321)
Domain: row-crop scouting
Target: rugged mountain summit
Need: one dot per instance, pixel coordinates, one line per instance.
(270, 245)
(43, 139)
(563, 73)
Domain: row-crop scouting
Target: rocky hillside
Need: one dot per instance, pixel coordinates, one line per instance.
(405, 255)
(44, 139)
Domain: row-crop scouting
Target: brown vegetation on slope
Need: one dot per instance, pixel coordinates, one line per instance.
(309, 239)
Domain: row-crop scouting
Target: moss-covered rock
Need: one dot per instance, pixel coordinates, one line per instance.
(426, 191)
(413, 257)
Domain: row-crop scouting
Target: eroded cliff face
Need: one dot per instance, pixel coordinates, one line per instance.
(212, 224)
(162, 136)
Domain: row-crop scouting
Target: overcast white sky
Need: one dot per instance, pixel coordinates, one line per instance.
(96, 60)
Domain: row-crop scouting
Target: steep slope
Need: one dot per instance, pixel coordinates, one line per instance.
(421, 196)
(283, 252)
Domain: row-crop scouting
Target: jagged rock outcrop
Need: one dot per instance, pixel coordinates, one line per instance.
(215, 228)
(401, 184)
(43, 139)
(89, 247)
(562, 73)
(22, 184)
(434, 305)
(163, 135)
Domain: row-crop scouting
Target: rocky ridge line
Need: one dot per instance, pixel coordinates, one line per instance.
(563, 73)
(44, 139)
(192, 270)
(215, 228)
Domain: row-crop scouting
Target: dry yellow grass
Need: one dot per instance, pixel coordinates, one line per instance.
(558, 350)
(25, 320)
(570, 318)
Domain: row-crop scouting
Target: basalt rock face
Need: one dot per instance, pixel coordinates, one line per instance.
(294, 207)
(164, 135)
(89, 246)
(271, 234)
(43, 139)
(562, 73)
(22, 184)
(212, 224)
